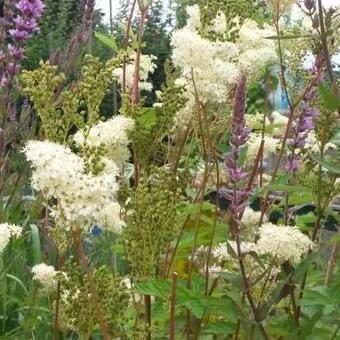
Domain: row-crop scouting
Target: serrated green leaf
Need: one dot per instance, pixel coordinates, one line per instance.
(326, 164)
(158, 288)
(107, 41)
(329, 99)
(148, 119)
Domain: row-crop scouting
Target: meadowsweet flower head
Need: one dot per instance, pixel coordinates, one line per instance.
(280, 121)
(251, 218)
(84, 200)
(216, 66)
(112, 134)
(55, 167)
(45, 275)
(283, 243)
(7, 231)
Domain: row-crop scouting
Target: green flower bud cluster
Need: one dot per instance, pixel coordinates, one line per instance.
(77, 309)
(75, 104)
(40, 85)
(151, 221)
(152, 125)
(93, 158)
(95, 81)
(235, 12)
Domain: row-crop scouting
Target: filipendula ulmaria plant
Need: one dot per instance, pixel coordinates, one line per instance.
(151, 216)
(77, 310)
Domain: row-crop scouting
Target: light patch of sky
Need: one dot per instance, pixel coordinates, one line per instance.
(104, 5)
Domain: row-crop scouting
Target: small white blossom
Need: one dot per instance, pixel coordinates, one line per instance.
(113, 135)
(45, 275)
(7, 231)
(215, 66)
(84, 200)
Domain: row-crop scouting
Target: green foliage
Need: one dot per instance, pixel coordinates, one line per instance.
(60, 20)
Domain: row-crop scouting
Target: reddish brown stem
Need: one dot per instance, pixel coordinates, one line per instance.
(126, 43)
(135, 85)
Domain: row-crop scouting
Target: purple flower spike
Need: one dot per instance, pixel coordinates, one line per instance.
(304, 124)
(239, 136)
(25, 24)
(17, 53)
(31, 8)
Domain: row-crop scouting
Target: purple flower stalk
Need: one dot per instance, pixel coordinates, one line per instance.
(302, 127)
(239, 136)
(25, 24)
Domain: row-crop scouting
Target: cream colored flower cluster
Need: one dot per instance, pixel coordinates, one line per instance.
(283, 243)
(83, 199)
(146, 67)
(46, 275)
(113, 135)
(7, 231)
(215, 65)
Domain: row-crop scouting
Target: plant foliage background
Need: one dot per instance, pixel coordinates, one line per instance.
(173, 174)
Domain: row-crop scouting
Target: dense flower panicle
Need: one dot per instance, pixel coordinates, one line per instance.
(284, 243)
(113, 135)
(84, 200)
(147, 66)
(55, 167)
(90, 200)
(45, 275)
(216, 66)
(7, 231)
